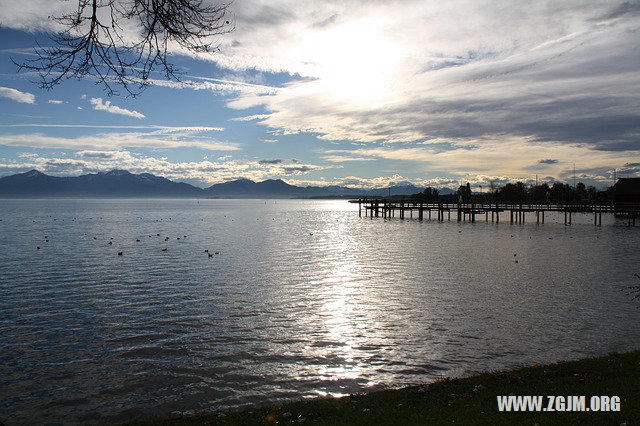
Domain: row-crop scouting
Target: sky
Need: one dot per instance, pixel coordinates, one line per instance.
(356, 93)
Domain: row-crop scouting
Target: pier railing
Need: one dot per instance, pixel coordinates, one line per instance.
(377, 207)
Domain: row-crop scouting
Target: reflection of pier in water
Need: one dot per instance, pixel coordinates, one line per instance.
(472, 211)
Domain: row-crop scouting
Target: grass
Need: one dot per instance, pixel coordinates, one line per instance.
(467, 401)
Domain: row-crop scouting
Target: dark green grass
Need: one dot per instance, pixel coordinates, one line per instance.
(461, 401)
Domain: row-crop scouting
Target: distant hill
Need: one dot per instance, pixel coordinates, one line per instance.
(121, 183)
(116, 183)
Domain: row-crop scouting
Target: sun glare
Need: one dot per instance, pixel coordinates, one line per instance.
(355, 62)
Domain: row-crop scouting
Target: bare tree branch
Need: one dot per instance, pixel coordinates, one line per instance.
(96, 41)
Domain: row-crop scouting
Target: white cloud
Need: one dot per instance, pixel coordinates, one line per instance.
(113, 109)
(55, 101)
(512, 158)
(250, 117)
(206, 172)
(520, 80)
(149, 137)
(167, 129)
(217, 86)
(18, 96)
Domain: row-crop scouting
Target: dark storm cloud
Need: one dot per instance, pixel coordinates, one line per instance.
(275, 161)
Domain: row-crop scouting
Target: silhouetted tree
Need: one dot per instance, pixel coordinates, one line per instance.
(464, 192)
(431, 194)
(539, 193)
(95, 41)
(513, 192)
(561, 193)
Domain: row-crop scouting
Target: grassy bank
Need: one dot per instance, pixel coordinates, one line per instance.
(466, 401)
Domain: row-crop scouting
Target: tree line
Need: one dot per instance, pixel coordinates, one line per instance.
(519, 192)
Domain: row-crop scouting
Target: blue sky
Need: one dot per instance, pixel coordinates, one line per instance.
(352, 93)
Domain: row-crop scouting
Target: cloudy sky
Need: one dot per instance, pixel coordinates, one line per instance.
(362, 93)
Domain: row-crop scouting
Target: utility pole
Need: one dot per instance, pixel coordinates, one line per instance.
(614, 176)
(574, 175)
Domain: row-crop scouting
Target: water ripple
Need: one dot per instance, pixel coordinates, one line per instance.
(303, 298)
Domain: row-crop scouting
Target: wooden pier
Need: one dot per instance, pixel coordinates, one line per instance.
(388, 208)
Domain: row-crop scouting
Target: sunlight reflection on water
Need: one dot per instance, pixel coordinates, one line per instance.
(304, 298)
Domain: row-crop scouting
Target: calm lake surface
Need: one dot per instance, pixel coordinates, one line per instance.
(304, 298)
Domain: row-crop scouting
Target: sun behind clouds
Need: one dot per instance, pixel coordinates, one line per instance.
(356, 62)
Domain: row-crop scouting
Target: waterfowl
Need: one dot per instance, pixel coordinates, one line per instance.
(164, 249)
(119, 253)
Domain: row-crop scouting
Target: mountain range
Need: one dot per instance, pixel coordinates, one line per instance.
(121, 183)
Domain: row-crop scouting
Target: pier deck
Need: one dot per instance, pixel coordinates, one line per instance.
(471, 211)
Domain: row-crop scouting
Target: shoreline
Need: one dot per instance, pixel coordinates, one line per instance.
(467, 400)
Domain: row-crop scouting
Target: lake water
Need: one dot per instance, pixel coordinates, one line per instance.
(304, 298)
